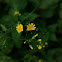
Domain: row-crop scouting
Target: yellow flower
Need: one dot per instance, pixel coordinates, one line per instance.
(43, 46)
(19, 28)
(39, 47)
(40, 60)
(40, 40)
(46, 43)
(31, 47)
(16, 12)
(36, 35)
(31, 27)
(25, 42)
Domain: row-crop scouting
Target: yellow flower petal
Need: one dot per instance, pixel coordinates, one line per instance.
(43, 46)
(31, 27)
(25, 42)
(31, 47)
(19, 28)
(40, 40)
(39, 47)
(36, 35)
(46, 43)
(16, 12)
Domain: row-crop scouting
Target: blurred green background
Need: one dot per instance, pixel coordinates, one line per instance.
(47, 16)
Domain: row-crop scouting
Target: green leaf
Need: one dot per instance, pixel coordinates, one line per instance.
(3, 27)
(7, 47)
(30, 58)
(17, 4)
(60, 25)
(50, 59)
(6, 44)
(4, 58)
(59, 59)
(2, 39)
(44, 4)
(34, 2)
(55, 55)
(17, 38)
(48, 13)
(60, 12)
(28, 17)
(9, 21)
(53, 37)
(52, 28)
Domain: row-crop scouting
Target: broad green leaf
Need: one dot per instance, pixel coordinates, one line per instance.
(7, 46)
(29, 17)
(9, 21)
(4, 58)
(35, 2)
(17, 4)
(50, 59)
(60, 12)
(17, 38)
(3, 27)
(59, 59)
(44, 4)
(52, 27)
(60, 25)
(3, 39)
(55, 55)
(48, 13)
(53, 37)
(30, 58)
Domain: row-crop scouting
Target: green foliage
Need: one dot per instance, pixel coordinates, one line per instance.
(53, 37)
(17, 39)
(42, 43)
(4, 58)
(60, 12)
(17, 4)
(29, 17)
(60, 26)
(48, 3)
(55, 55)
(34, 2)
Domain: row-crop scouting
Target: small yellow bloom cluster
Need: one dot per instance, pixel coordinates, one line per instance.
(41, 46)
(17, 13)
(31, 27)
(40, 60)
